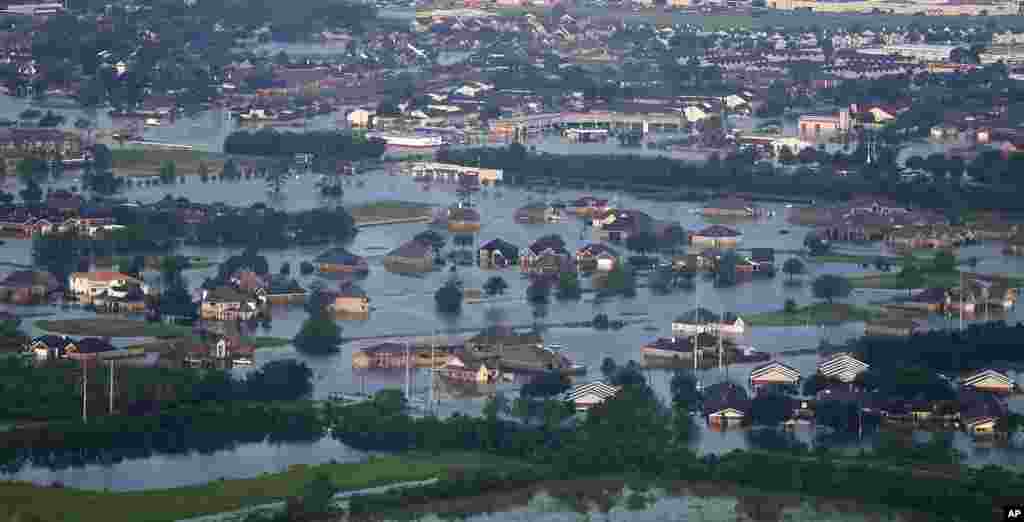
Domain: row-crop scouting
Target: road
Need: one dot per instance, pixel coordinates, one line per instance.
(236, 515)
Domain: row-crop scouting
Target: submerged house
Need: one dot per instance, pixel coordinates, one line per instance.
(281, 289)
(587, 395)
(716, 236)
(497, 253)
(842, 366)
(729, 207)
(87, 285)
(988, 380)
(704, 320)
(340, 260)
(469, 367)
(588, 206)
(349, 299)
(411, 257)
(25, 286)
(225, 303)
(50, 347)
(893, 327)
(725, 403)
(547, 255)
(538, 213)
(597, 256)
(619, 225)
(774, 373)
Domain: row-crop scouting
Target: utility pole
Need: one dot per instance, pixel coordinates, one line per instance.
(85, 391)
(408, 397)
(111, 387)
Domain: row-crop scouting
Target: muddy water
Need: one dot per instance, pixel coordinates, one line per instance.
(613, 501)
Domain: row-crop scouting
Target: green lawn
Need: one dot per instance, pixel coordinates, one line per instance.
(70, 505)
(112, 327)
(820, 313)
(850, 258)
(116, 327)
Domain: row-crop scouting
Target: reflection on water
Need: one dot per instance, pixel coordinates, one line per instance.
(627, 505)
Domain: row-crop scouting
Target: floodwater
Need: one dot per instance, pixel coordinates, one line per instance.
(403, 305)
(173, 471)
(624, 505)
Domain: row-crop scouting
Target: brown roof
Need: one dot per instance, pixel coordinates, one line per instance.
(412, 249)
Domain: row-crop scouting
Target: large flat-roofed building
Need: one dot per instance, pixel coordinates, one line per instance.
(921, 52)
(929, 7)
(32, 8)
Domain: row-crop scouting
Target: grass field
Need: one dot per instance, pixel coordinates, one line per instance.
(820, 313)
(116, 327)
(112, 327)
(389, 210)
(70, 505)
(896, 281)
(134, 162)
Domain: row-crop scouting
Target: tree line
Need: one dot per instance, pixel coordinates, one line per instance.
(328, 144)
(739, 172)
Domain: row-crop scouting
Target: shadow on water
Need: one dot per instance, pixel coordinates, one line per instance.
(619, 500)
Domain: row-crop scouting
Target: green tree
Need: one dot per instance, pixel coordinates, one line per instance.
(830, 287)
(168, 172)
(495, 285)
(790, 307)
(496, 404)
(230, 170)
(568, 286)
(204, 171)
(944, 261)
(448, 298)
(793, 267)
(770, 409)
(32, 193)
(642, 242)
(317, 495)
(320, 333)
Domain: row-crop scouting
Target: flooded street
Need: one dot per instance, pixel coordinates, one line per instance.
(404, 305)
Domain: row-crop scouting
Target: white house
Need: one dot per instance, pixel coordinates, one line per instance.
(694, 114)
(360, 118)
(89, 284)
(842, 366)
(586, 396)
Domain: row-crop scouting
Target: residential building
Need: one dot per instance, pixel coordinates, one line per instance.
(127, 299)
(538, 213)
(89, 348)
(50, 347)
(87, 285)
(762, 260)
(281, 289)
(596, 256)
(725, 403)
(360, 118)
(895, 327)
(729, 207)
(26, 286)
(988, 380)
(349, 299)
(816, 125)
(471, 368)
(17, 143)
(225, 350)
(842, 366)
(589, 206)
(411, 257)
(716, 236)
(774, 373)
(497, 253)
(225, 303)
(619, 225)
(587, 395)
(383, 355)
(341, 260)
(704, 320)
(463, 219)
(547, 255)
